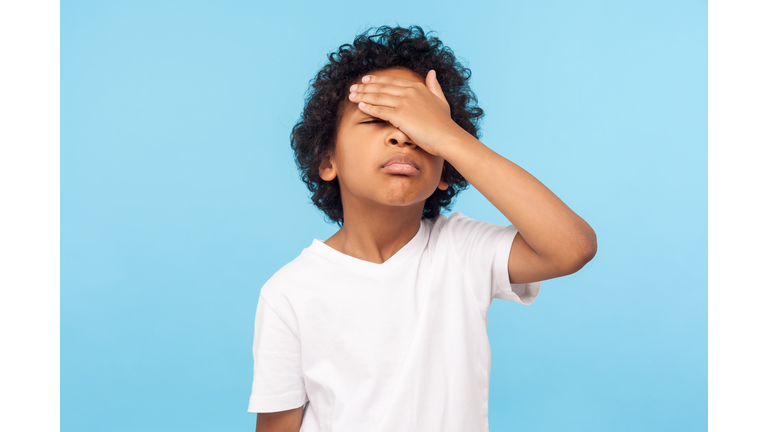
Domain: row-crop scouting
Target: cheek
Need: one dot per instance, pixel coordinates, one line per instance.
(354, 165)
(356, 154)
(437, 167)
(346, 159)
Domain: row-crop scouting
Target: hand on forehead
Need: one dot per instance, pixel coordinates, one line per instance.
(391, 75)
(391, 80)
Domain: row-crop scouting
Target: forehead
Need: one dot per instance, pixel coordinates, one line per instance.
(350, 108)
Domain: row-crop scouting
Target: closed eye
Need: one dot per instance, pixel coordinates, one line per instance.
(373, 121)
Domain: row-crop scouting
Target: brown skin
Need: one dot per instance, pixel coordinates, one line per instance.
(382, 211)
(282, 421)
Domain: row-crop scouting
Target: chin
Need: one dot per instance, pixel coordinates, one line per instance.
(407, 191)
(404, 199)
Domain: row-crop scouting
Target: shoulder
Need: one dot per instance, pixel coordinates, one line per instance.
(291, 276)
(463, 236)
(450, 233)
(442, 223)
(459, 225)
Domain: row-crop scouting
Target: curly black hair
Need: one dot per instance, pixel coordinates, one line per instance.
(313, 137)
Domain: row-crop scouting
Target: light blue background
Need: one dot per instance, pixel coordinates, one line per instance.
(180, 198)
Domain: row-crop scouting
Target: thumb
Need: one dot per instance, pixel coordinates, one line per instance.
(433, 85)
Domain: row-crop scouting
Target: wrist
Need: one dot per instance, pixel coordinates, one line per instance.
(457, 145)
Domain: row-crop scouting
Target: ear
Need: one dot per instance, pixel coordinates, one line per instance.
(327, 170)
(443, 185)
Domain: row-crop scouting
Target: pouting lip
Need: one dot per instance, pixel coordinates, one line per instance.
(400, 158)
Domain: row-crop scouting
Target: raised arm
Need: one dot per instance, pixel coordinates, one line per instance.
(552, 240)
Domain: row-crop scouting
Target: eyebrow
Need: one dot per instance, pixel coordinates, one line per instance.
(356, 110)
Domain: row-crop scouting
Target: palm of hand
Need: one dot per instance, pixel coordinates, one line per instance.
(419, 110)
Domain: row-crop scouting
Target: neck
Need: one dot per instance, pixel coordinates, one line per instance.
(375, 233)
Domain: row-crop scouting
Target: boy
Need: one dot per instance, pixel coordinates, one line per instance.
(382, 327)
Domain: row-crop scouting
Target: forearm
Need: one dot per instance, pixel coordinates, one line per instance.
(556, 240)
(550, 228)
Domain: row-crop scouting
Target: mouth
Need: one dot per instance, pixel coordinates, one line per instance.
(400, 164)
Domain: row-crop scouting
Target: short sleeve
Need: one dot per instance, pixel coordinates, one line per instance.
(482, 250)
(278, 380)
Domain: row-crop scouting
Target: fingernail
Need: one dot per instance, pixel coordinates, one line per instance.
(366, 78)
(362, 104)
(353, 95)
(353, 88)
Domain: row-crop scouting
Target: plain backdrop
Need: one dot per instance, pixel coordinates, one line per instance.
(180, 198)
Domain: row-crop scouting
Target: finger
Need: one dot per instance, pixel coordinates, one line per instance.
(434, 86)
(394, 90)
(382, 99)
(382, 112)
(378, 79)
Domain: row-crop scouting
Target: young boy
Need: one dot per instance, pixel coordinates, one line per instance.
(382, 327)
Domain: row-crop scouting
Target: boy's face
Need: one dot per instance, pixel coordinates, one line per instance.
(376, 163)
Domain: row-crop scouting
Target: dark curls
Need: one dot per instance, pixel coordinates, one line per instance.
(314, 136)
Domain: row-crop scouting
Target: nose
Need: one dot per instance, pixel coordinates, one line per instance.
(397, 137)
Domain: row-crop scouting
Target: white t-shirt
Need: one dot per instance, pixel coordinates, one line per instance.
(398, 346)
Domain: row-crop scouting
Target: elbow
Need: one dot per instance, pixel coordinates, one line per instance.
(589, 250)
(581, 251)
(589, 246)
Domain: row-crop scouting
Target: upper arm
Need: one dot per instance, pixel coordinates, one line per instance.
(281, 421)
(278, 377)
(525, 265)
